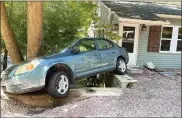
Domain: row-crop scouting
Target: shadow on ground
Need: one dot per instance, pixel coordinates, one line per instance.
(43, 100)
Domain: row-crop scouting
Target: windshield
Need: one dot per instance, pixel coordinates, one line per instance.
(64, 50)
(71, 43)
(74, 42)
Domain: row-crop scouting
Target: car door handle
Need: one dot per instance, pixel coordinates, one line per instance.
(95, 54)
(113, 52)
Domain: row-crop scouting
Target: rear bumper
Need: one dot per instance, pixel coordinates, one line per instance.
(123, 52)
(127, 59)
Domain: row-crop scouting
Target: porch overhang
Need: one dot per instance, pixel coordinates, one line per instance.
(147, 22)
(169, 16)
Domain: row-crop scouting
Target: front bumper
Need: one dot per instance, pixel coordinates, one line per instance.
(19, 89)
(26, 82)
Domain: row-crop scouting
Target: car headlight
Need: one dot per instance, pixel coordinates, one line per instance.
(27, 67)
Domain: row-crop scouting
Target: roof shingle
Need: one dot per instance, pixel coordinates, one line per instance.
(141, 10)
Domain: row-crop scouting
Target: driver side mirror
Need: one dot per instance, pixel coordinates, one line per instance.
(75, 50)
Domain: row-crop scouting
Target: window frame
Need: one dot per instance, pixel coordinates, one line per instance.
(173, 39)
(106, 41)
(178, 40)
(80, 41)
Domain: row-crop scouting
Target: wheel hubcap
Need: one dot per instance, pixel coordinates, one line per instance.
(62, 85)
(122, 66)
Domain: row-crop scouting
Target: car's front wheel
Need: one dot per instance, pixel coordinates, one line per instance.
(121, 66)
(58, 85)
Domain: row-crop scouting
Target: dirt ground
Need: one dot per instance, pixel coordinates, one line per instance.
(154, 95)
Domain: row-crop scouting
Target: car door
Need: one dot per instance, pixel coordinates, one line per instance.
(107, 52)
(89, 56)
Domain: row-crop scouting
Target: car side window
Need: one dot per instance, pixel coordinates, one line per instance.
(103, 44)
(86, 45)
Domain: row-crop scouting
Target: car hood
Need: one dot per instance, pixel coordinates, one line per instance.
(54, 56)
(51, 56)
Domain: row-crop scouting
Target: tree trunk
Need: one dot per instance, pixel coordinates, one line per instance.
(9, 37)
(5, 59)
(34, 28)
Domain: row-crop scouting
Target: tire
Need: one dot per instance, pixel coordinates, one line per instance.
(121, 67)
(58, 85)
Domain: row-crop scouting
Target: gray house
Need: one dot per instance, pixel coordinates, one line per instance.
(150, 32)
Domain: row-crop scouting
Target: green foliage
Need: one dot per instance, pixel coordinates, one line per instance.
(108, 32)
(63, 22)
(91, 82)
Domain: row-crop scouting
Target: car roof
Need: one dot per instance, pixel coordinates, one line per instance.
(92, 38)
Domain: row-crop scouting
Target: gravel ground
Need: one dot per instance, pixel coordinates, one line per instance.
(154, 95)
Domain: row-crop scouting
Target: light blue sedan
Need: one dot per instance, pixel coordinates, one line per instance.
(84, 58)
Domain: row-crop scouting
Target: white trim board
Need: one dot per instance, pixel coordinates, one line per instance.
(137, 32)
(169, 16)
(144, 21)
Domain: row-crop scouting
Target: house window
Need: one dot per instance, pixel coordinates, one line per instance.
(179, 33)
(179, 42)
(179, 45)
(166, 38)
(165, 45)
(170, 39)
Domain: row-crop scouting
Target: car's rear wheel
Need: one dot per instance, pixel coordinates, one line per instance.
(121, 66)
(58, 85)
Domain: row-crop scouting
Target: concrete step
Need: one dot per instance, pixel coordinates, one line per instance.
(123, 80)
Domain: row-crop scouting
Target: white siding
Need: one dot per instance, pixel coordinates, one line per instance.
(105, 15)
(162, 60)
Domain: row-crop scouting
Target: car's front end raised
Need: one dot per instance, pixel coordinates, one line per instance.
(23, 78)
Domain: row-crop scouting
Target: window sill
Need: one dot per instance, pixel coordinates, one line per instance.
(167, 52)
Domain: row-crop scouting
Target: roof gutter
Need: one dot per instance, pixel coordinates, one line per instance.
(148, 22)
(169, 16)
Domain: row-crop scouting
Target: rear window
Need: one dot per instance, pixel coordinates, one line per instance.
(103, 44)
